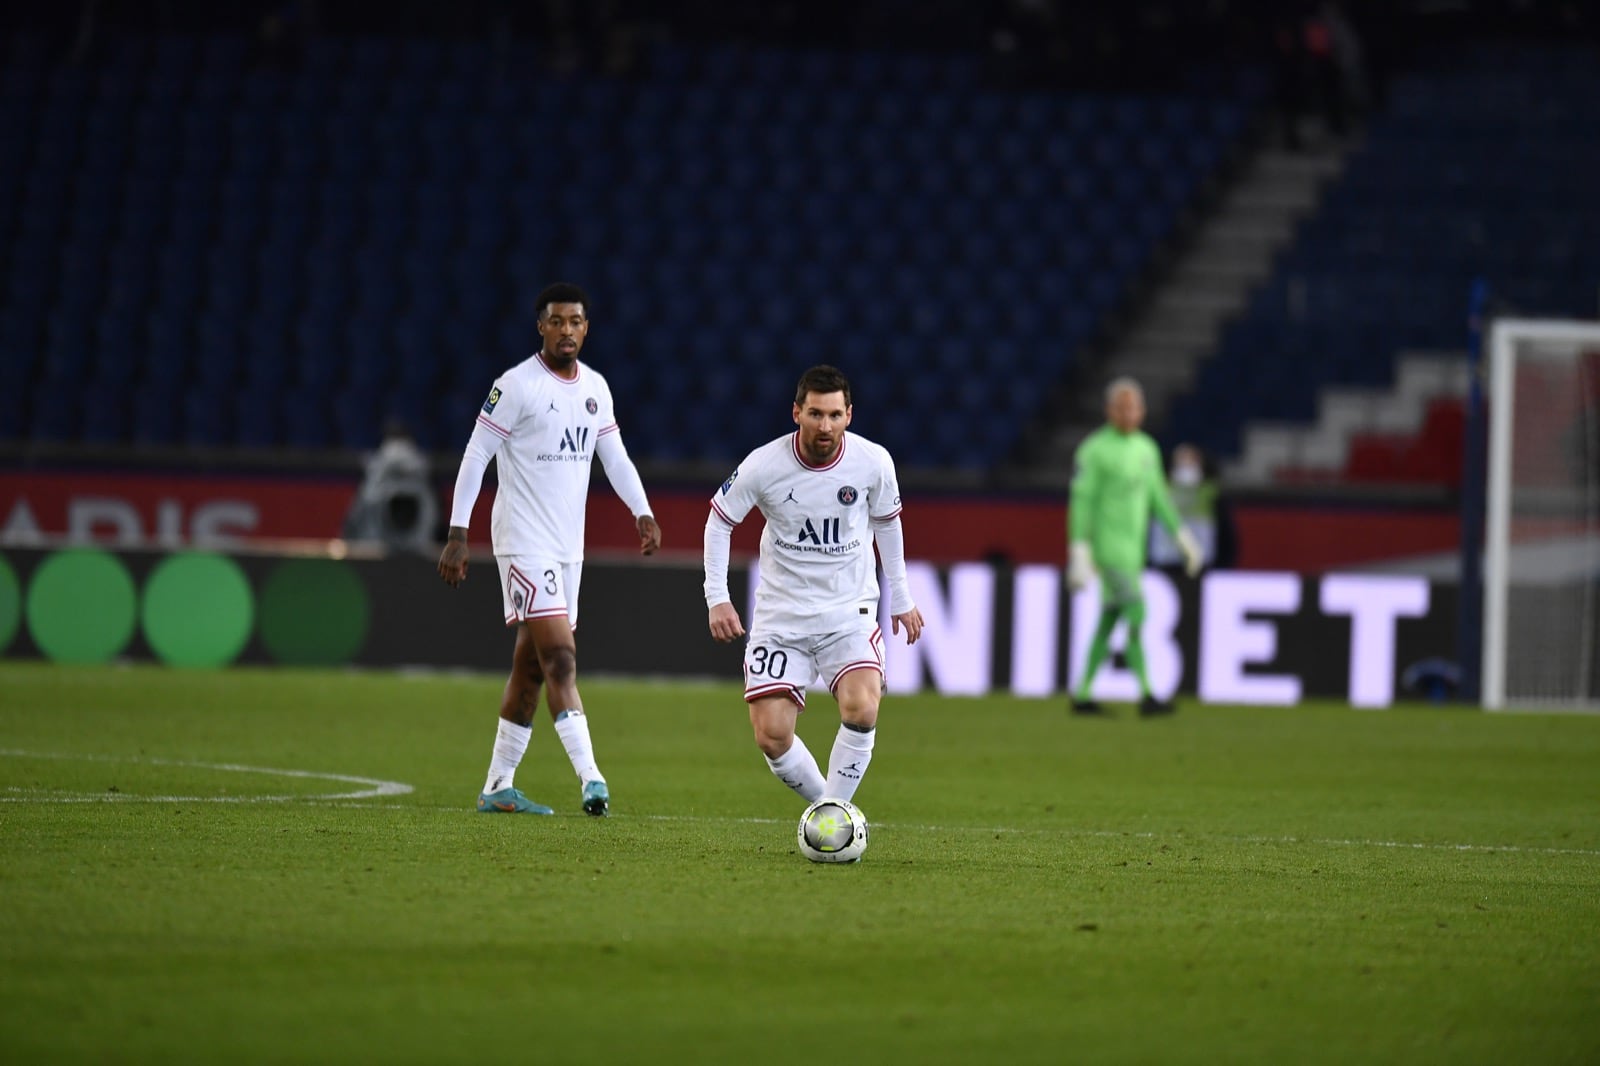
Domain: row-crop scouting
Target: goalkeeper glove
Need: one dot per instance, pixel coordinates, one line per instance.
(1193, 557)
(1080, 566)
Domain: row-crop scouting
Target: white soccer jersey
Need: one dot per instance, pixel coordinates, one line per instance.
(818, 571)
(544, 432)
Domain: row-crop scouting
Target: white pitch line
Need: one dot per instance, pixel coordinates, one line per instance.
(1145, 835)
(396, 788)
(1053, 831)
(376, 787)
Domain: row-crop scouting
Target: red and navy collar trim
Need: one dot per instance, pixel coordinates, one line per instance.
(539, 355)
(838, 456)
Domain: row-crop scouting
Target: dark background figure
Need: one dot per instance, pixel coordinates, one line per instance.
(395, 505)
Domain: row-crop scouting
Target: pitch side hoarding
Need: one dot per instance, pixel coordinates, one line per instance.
(1230, 637)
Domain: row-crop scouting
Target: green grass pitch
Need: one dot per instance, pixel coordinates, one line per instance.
(180, 881)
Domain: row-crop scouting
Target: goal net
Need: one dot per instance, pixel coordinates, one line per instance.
(1541, 617)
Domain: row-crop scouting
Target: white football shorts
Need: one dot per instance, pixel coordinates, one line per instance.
(538, 588)
(785, 664)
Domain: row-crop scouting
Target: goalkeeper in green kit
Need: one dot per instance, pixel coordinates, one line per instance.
(1118, 477)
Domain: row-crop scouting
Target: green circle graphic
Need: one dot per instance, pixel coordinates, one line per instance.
(10, 604)
(81, 606)
(314, 612)
(197, 610)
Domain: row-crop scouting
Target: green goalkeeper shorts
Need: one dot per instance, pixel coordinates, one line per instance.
(1120, 589)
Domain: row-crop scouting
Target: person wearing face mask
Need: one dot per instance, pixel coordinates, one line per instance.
(1204, 510)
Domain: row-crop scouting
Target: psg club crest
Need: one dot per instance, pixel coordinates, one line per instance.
(847, 495)
(590, 406)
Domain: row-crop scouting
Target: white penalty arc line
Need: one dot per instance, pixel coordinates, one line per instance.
(380, 788)
(375, 787)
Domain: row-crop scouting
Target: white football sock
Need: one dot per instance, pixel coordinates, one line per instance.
(572, 726)
(797, 769)
(847, 763)
(510, 744)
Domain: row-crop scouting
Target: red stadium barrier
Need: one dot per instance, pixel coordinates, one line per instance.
(131, 510)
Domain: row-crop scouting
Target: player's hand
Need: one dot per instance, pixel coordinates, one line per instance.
(453, 560)
(1080, 566)
(725, 624)
(649, 535)
(912, 620)
(1193, 557)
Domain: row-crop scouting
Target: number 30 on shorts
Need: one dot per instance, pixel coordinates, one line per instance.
(768, 662)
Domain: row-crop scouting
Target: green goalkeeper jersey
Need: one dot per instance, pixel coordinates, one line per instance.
(1117, 479)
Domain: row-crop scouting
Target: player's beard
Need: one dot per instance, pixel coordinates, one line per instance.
(560, 360)
(816, 452)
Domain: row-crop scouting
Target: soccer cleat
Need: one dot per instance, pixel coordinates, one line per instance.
(509, 801)
(596, 799)
(1150, 707)
(1086, 707)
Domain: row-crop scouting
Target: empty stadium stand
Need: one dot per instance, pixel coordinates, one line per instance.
(204, 250)
(1483, 165)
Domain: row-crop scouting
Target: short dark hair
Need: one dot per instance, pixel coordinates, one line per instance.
(823, 379)
(562, 292)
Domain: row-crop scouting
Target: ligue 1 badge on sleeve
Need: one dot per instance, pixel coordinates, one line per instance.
(494, 398)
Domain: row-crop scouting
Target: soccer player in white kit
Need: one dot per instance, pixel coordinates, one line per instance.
(826, 499)
(544, 421)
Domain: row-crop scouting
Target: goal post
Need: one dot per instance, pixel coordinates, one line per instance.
(1541, 577)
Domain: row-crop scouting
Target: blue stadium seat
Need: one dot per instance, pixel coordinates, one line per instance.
(306, 419)
(256, 418)
(206, 415)
(357, 420)
(56, 416)
(154, 419)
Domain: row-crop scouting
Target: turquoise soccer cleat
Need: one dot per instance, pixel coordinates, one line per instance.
(596, 799)
(509, 801)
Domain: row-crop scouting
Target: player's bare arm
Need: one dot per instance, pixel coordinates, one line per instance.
(649, 535)
(725, 624)
(912, 620)
(453, 560)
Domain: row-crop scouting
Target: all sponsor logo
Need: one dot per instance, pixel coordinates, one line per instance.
(823, 531)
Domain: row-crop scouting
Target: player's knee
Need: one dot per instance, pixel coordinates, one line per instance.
(863, 718)
(773, 747)
(859, 708)
(859, 692)
(527, 671)
(560, 665)
(773, 737)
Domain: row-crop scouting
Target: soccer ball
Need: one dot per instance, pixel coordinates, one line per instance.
(832, 830)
